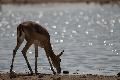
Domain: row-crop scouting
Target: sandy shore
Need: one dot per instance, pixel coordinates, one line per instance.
(5, 76)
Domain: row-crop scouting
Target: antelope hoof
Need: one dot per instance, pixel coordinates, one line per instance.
(12, 74)
(54, 72)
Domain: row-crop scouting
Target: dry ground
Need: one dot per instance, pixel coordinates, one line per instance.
(5, 76)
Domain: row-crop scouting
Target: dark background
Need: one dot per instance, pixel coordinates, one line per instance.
(55, 1)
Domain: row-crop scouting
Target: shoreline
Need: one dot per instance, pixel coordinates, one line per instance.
(23, 76)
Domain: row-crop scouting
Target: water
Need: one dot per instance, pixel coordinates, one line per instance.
(89, 34)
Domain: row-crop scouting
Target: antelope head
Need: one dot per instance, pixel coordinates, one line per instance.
(56, 62)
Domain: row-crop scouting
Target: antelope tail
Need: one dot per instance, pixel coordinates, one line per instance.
(20, 30)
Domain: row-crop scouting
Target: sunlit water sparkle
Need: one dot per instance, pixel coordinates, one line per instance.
(89, 34)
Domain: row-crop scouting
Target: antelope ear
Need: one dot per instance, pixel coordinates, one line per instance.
(60, 53)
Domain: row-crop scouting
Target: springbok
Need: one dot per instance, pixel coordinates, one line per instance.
(35, 34)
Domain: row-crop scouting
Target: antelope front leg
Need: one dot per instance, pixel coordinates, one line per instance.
(36, 56)
(28, 44)
(51, 64)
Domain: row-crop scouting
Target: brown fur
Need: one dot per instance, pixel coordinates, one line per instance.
(34, 33)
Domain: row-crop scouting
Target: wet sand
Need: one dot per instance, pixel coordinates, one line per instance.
(5, 76)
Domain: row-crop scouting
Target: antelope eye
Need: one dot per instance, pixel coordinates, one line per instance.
(60, 60)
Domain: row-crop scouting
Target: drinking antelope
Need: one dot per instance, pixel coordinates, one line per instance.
(35, 34)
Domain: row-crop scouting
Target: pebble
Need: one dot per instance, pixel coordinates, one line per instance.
(65, 72)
